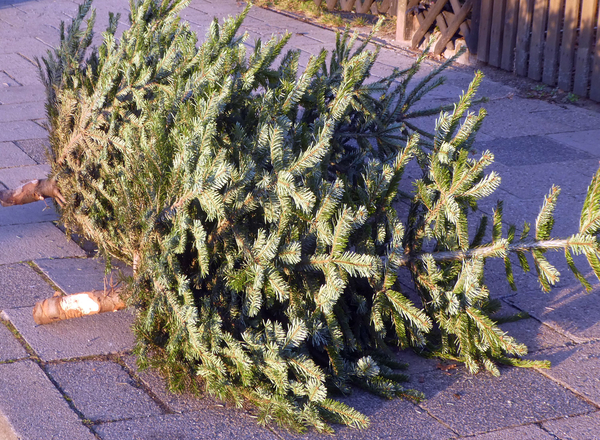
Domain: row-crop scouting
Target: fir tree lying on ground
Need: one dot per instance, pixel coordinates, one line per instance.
(259, 207)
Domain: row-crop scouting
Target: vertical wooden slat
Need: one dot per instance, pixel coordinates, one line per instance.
(495, 54)
(584, 47)
(403, 22)
(595, 83)
(485, 26)
(555, 15)
(509, 37)
(567, 46)
(536, 46)
(523, 36)
(473, 38)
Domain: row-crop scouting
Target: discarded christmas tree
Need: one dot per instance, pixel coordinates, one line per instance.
(260, 210)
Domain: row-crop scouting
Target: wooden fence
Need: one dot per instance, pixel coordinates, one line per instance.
(554, 41)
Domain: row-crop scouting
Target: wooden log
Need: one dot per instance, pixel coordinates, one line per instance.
(61, 307)
(583, 60)
(567, 46)
(523, 37)
(536, 46)
(509, 36)
(555, 16)
(485, 26)
(32, 191)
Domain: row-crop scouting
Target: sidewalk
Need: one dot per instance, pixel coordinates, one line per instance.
(77, 379)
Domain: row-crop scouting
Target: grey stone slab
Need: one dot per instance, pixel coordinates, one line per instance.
(586, 427)
(10, 347)
(533, 182)
(75, 275)
(567, 308)
(577, 366)
(15, 177)
(7, 81)
(576, 118)
(529, 432)
(25, 44)
(37, 212)
(34, 241)
(389, 419)
(211, 424)
(531, 150)
(34, 407)
(102, 390)
(13, 156)
(531, 332)
(176, 402)
(21, 286)
(19, 95)
(100, 334)
(20, 68)
(588, 140)
(37, 149)
(13, 131)
(518, 117)
(21, 112)
(481, 403)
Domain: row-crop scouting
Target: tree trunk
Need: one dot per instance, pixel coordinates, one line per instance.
(61, 307)
(30, 192)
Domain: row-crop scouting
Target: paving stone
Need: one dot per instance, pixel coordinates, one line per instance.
(33, 241)
(13, 156)
(533, 182)
(21, 286)
(582, 140)
(531, 332)
(516, 210)
(75, 275)
(19, 95)
(32, 46)
(568, 307)
(586, 427)
(20, 68)
(13, 131)
(37, 212)
(100, 334)
(15, 177)
(10, 347)
(531, 150)
(176, 402)
(477, 404)
(577, 366)
(390, 419)
(34, 407)
(501, 122)
(529, 432)
(102, 390)
(37, 149)
(7, 81)
(211, 424)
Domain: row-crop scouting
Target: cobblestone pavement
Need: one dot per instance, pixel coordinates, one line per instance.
(77, 379)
